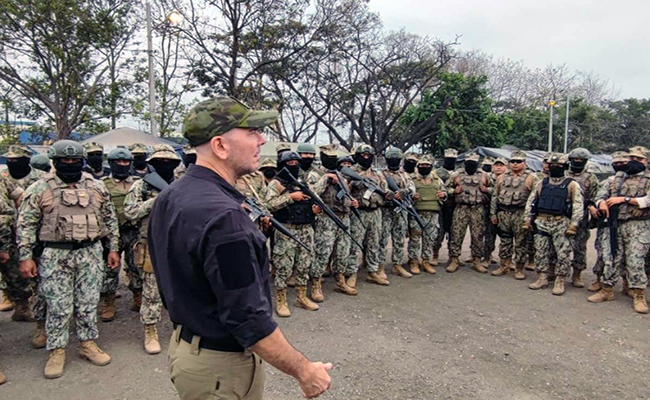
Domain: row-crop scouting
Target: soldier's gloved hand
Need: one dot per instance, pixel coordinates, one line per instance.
(572, 230)
(526, 226)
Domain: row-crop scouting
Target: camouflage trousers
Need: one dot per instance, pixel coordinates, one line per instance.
(128, 239)
(474, 217)
(289, 256)
(446, 220)
(580, 244)
(510, 223)
(551, 238)
(151, 309)
(632, 245)
(490, 238)
(421, 246)
(328, 239)
(70, 282)
(394, 225)
(603, 251)
(368, 236)
(18, 289)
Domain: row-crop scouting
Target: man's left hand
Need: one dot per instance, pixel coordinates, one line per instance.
(612, 201)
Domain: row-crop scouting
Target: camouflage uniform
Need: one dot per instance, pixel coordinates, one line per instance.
(103, 171)
(446, 216)
(182, 168)
(491, 231)
(139, 149)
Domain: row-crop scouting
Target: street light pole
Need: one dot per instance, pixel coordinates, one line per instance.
(152, 88)
(566, 126)
(550, 127)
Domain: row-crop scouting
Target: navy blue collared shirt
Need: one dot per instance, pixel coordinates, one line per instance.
(210, 260)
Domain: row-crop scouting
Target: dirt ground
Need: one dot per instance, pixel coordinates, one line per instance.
(448, 336)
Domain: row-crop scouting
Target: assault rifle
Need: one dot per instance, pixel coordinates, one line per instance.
(256, 211)
(344, 192)
(155, 180)
(285, 174)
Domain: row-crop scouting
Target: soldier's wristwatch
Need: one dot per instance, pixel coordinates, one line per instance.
(627, 199)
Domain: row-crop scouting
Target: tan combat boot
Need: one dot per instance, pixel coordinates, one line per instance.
(503, 269)
(317, 290)
(89, 350)
(399, 270)
(640, 304)
(373, 277)
(40, 336)
(596, 286)
(519, 273)
(352, 280)
(427, 267)
(151, 341)
(281, 307)
(22, 313)
(605, 294)
(6, 304)
(477, 265)
(434, 259)
(342, 286)
(55, 364)
(108, 309)
(414, 266)
(468, 260)
(382, 272)
(3, 378)
(576, 281)
(530, 266)
(541, 282)
(453, 265)
(558, 288)
(136, 302)
(303, 301)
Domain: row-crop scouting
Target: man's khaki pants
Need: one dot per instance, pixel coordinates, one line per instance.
(200, 374)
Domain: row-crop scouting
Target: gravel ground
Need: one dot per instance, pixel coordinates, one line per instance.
(448, 336)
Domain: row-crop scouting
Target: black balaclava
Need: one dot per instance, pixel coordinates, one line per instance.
(140, 161)
(393, 163)
(19, 167)
(578, 166)
(305, 163)
(69, 173)
(471, 167)
(365, 163)
(120, 172)
(424, 171)
(634, 167)
(96, 161)
(620, 167)
(409, 165)
(269, 173)
(165, 168)
(329, 162)
(293, 170)
(487, 168)
(189, 159)
(556, 170)
(449, 163)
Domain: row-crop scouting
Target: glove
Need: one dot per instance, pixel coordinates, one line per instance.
(526, 226)
(572, 230)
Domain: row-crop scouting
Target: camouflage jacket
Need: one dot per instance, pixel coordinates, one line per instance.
(401, 178)
(253, 185)
(11, 192)
(138, 204)
(588, 183)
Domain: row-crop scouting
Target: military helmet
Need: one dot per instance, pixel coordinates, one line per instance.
(364, 148)
(92, 147)
(138, 148)
(17, 151)
(66, 149)
(425, 159)
(580, 153)
(164, 151)
(120, 153)
(343, 159)
(40, 161)
(393, 152)
(557, 158)
(306, 148)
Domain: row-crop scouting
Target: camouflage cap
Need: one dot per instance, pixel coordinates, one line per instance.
(329, 150)
(557, 158)
(364, 148)
(138, 148)
(282, 147)
(93, 147)
(518, 155)
(500, 160)
(306, 148)
(472, 157)
(268, 163)
(487, 161)
(451, 153)
(425, 159)
(620, 156)
(163, 151)
(638, 151)
(187, 149)
(17, 151)
(217, 116)
(409, 155)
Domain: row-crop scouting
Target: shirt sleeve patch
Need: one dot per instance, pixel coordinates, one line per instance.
(236, 265)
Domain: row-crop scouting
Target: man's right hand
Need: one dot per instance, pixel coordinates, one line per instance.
(28, 269)
(315, 380)
(299, 196)
(4, 257)
(604, 210)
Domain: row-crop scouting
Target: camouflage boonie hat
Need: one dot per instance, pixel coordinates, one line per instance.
(163, 151)
(282, 147)
(518, 155)
(557, 158)
(472, 157)
(93, 147)
(425, 159)
(364, 148)
(409, 155)
(329, 150)
(500, 160)
(217, 116)
(620, 156)
(268, 163)
(187, 149)
(17, 151)
(451, 153)
(138, 148)
(487, 161)
(306, 148)
(638, 151)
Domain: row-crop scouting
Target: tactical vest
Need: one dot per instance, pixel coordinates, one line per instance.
(75, 216)
(358, 191)
(513, 191)
(297, 213)
(583, 180)
(554, 199)
(631, 186)
(471, 194)
(429, 200)
(118, 195)
(330, 200)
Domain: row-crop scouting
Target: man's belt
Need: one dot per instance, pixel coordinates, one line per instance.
(70, 246)
(550, 217)
(229, 345)
(502, 207)
(367, 208)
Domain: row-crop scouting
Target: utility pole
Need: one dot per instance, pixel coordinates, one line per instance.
(566, 125)
(550, 127)
(152, 88)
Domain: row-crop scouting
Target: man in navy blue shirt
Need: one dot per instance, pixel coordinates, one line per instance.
(212, 266)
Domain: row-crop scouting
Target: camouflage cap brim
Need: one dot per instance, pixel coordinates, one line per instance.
(636, 153)
(169, 155)
(13, 154)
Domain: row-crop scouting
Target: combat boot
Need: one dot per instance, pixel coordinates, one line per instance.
(342, 286)
(373, 277)
(434, 259)
(477, 265)
(558, 288)
(151, 341)
(317, 290)
(503, 269)
(626, 289)
(22, 313)
(399, 270)
(291, 282)
(3, 378)
(352, 280)
(6, 304)
(414, 266)
(576, 281)
(640, 304)
(453, 265)
(519, 273)
(468, 260)
(541, 282)
(136, 302)
(596, 286)
(381, 271)
(303, 301)
(108, 309)
(427, 267)
(40, 336)
(530, 266)
(55, 364)
(281, 307)
(605, 294)
(89, 350)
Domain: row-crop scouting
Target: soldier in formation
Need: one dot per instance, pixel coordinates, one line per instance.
(498, 168)
(95, 160)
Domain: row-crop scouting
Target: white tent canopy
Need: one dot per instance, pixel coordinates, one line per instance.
(123, 137)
